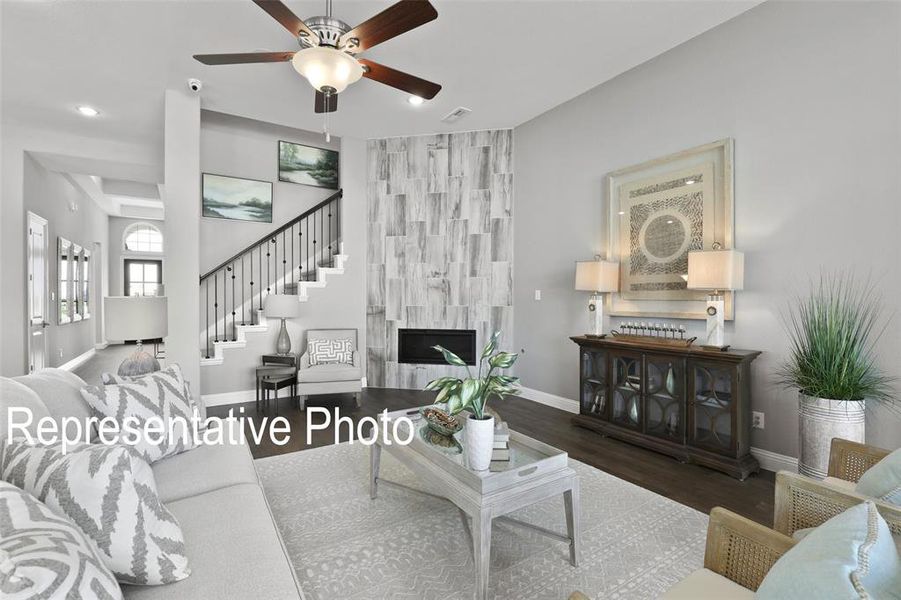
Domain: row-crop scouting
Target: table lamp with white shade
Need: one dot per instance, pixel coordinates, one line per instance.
(599, 277)
(716, 271)
(136, 318)
(282, 306)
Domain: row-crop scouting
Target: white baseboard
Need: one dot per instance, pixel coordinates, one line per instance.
(772, 461)
(102, 346)
(364, 382)
(549, 399)
(78, 360)
(226, 398)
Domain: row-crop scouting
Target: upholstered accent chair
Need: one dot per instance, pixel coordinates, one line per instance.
(331, 377)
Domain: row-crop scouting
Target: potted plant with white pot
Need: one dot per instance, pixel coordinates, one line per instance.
(472, 394)
(832, 333)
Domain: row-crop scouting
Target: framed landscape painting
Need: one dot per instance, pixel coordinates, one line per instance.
(307, 165)
(660, 210)
(236, 198)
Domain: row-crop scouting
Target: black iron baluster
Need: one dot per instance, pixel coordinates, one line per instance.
(330, 253)
(243, 284)
(284, 266)
(216, 305)
(338, 234)
(251, 285)
(268, 269)
(307, 276)
(315, 253)
(207, 318)
(234, 325)
(299, 255)
(260, 250)
(292, 258)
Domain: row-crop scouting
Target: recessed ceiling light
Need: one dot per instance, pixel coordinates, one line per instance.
(622, 212)
(87, 111)
(670, 222)
(415, 100)
(689, 181)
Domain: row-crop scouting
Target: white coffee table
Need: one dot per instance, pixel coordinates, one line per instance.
(535, 472)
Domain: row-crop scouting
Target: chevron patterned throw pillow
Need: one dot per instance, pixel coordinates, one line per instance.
(325, 352)
(110, 494)
(161, 395)
(43, 555)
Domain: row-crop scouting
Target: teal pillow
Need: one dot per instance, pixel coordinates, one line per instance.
(852, 555)
(883, 480)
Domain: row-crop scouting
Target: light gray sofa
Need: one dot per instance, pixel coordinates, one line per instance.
(330, 378)
(234, 548)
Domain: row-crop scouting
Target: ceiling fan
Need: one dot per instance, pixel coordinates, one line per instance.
(329, 49)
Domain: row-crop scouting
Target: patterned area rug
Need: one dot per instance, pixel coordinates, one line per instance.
(635, 544)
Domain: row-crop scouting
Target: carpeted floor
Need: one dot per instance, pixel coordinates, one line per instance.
(635, 544)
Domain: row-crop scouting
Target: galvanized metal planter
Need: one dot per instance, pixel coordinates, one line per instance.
(820, 420)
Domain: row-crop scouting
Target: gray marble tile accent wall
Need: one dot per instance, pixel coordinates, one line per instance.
(440, 247)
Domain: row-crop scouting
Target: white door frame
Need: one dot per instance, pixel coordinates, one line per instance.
(33, 322)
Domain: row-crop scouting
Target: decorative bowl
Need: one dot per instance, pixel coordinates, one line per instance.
(445, 443)
(440, 421)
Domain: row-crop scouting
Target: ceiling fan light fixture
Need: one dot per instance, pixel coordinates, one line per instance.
(326, 67)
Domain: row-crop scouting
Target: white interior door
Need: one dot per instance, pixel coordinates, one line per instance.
(36, 284)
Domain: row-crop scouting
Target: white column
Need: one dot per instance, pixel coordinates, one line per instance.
(181, 197)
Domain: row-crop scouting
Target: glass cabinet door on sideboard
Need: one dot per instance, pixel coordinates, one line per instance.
(595, 382)
(627, 388)
(664, 398)
(713, 412)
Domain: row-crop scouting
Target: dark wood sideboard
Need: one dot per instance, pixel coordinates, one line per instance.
(690, 403)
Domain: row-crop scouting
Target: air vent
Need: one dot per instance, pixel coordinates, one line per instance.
(456, 114)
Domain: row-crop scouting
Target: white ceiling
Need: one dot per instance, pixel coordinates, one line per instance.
(508, 61)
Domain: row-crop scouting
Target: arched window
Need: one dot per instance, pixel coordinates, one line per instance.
(142, 237)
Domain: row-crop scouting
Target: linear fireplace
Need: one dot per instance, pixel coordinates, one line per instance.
(415, 345)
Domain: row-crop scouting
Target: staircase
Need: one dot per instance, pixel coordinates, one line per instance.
(297, 257)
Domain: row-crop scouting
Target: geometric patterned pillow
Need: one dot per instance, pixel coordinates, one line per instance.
(43, 555)
(110, 379)
(325, 352)
(161, 395)
(110, 494)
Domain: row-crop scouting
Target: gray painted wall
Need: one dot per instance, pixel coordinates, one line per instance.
(810, 93)
(49, 195)
(440, 244)
(239, 147)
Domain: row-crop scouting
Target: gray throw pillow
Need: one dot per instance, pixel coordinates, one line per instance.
(194, 401)
(43, 555)
(110, 494)
(160, 396)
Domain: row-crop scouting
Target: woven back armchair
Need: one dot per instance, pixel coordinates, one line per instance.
(803, 502)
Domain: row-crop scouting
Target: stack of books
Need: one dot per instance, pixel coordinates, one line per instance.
(501, 442)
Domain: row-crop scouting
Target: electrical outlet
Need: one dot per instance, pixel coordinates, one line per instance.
(757, 420)
(60, 352)
(537, 294)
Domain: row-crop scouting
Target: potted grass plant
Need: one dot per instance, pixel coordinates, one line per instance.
(831, 363)
(472, 394)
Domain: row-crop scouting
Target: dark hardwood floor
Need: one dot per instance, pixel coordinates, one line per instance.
(695, 486)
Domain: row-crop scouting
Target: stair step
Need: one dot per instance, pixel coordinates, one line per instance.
(230, 344)
(252, 328)
(211, 361)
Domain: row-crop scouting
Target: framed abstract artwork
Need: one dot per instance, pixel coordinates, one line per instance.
(307, 165)
(235, 198)
(659, 211)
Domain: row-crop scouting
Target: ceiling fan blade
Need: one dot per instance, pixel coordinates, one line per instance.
(324, 105)
(248, 57)
(391, 22)
(288, 19)
(400, 80)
